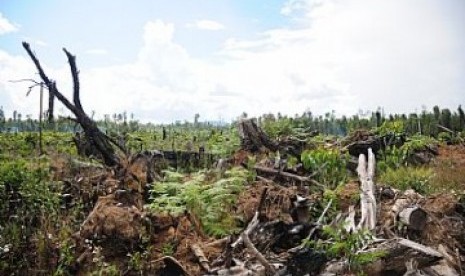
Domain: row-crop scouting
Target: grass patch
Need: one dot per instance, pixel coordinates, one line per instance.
(404, 178)
(448, 175)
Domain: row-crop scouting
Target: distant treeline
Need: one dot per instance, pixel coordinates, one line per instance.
(427, 122)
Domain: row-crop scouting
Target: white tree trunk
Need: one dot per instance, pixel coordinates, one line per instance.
(366, 174)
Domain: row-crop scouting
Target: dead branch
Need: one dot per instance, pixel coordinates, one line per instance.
(255, 220)
(292, 176)
(268, 267)
(250, 228)
(74, 74)
(198, 252)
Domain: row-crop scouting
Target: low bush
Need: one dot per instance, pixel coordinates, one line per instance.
(403, 178)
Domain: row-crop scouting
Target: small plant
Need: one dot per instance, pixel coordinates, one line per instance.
(136, 260)
(66, 258)
(329, 165)
(168, 249)
(394, 157)
(343, 244)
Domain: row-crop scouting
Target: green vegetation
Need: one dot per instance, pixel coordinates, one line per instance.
(341, 243)
(403, 178)
(205, 195)
(28, 203)
(329, 166)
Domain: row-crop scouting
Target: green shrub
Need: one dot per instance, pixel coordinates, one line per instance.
(403, 178)
(394, 157)
(26, 196)
(391, 127)
(329, 166)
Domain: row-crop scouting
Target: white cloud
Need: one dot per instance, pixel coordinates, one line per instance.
(340, 55)
(41, 43)
(97, 51)
(6, 26)
(204, 24)
(35, 42)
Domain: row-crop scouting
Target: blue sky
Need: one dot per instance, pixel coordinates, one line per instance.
(167, 60)
(117, 26)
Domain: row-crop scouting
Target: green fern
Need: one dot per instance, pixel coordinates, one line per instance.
(211, 200)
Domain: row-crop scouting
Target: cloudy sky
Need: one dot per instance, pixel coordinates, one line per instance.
(167, 60)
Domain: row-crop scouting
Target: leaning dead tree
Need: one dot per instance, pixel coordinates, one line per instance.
(96, 138)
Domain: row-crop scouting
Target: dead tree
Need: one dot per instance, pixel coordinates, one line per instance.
(97, 138)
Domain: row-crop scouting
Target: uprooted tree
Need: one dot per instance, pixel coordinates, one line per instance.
(98, 139)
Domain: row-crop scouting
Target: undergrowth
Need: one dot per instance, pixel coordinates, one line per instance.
(403, 178)
(206, 195)
(328, 165)
(343, 244)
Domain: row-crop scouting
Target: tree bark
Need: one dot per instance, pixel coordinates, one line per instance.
(51, 107)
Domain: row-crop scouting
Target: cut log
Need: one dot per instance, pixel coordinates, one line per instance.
(413, 217)
(409, 198)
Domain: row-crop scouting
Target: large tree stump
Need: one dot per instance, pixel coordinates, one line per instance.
(253, 138)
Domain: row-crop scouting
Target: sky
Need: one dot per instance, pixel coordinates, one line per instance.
(168, 60)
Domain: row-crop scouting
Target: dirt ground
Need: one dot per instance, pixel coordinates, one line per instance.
(174, 236)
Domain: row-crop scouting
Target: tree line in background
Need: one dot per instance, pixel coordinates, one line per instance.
(428, 122)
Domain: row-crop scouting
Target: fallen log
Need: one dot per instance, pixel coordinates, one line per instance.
(413, 217)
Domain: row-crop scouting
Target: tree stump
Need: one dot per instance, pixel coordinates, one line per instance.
(253, 138)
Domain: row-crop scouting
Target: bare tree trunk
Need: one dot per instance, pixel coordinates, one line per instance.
(51, 107)
(367, 196)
